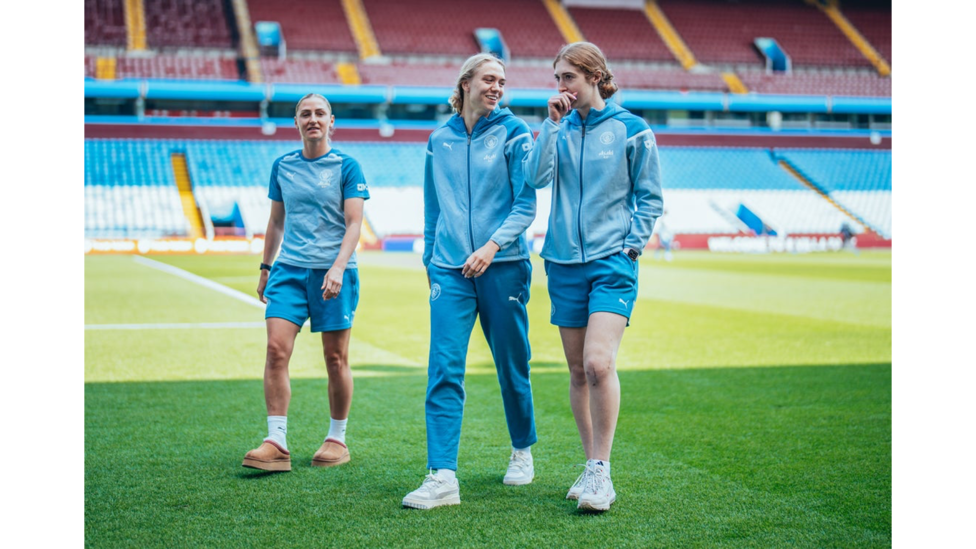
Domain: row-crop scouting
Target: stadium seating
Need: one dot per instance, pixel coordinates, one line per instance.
(313, 25)
(401, 73)
(130, 190)
(239, 171)
(299, 71)
(105, 23)
(411, 74)
(843, 170)
(197, 67)
(90, 66)
(724, 32)
(703, 187)
(188, 23)
(860, 181)
(448, 27)
(817, 83)
(622, 34)
(873, 20)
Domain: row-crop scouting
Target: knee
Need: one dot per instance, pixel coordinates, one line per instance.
(336, 362)
(598, 368)
(577, 375)
(278, 354)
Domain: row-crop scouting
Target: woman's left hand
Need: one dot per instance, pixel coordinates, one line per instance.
(332, 283)
(478, 262)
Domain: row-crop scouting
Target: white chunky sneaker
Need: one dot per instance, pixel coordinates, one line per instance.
(598, 492)
(520, 470)
(434, 492)
(577, 488)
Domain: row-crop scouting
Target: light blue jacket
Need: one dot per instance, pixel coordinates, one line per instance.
(606, 180)
(474, 190)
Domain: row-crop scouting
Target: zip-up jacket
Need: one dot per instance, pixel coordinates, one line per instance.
(606, 181)
(474, 190)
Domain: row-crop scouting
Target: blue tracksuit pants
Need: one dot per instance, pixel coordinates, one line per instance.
(499, 297)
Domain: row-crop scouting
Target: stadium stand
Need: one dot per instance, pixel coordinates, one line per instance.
(310, 25)
(717, 32)
(704, 187)
(105, 23)
(197, 67)
(410, 74)
(188, 23)
(873, 19)
(860, 181)
(131, 190)
(622, 34)
(90, 66)
(723, 33)
(814, 83)
(448, 27)
(299, 71)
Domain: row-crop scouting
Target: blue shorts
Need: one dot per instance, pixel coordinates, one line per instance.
(295, 294)
(605, 285)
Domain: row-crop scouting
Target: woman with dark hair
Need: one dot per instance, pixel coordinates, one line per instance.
(476, 210)
(317, 195)
(602, 162)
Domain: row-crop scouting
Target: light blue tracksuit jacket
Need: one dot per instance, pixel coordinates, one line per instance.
(606, 181)
(474, 191)
(459, 216)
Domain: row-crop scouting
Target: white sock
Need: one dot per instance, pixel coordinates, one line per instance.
(602, 463)
(337, 430)
(527, 450)
(447, 474)
(278, 430)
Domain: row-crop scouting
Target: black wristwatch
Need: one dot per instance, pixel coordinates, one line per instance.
(632, 254)
(265, 266)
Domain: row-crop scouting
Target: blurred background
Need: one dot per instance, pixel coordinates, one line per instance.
(773, 117)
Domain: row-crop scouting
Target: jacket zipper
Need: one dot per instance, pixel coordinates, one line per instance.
(470, 226)
(579, 209)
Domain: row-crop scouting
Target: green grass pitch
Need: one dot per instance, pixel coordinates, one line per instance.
(756, 412)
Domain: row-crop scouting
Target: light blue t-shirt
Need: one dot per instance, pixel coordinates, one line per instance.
(314, 193)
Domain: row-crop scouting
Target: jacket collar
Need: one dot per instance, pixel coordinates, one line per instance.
(456, 122)
(595, 116)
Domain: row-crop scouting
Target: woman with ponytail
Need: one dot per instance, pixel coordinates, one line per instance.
(597, 154)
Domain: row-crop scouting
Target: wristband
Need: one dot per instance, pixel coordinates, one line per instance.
(265, 266)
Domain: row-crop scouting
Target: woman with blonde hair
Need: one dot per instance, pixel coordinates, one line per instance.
(476, 210)
(317, 195)
(602, 162)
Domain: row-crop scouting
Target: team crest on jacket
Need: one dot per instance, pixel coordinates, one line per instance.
(607, 137)
(491, 141)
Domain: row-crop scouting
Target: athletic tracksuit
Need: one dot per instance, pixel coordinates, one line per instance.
(474, 192)
(606, 196)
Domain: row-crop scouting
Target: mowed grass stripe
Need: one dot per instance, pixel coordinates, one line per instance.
(768, 457)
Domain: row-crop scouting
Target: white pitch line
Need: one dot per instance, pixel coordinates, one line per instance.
(241, 296)
(178, 326)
